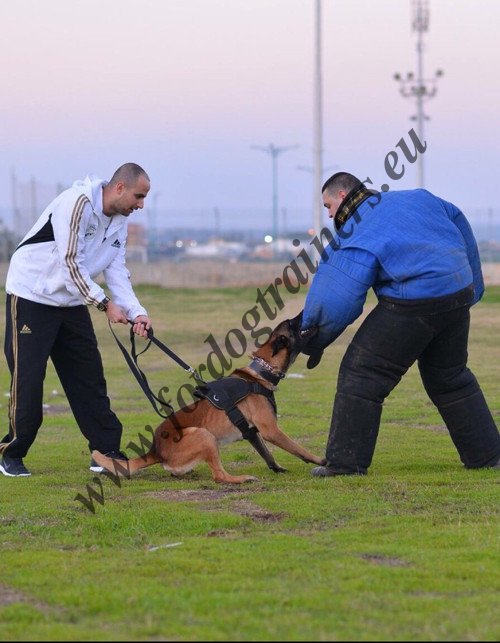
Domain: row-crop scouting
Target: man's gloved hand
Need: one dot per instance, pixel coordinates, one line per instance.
(314, 359)
(315, 354)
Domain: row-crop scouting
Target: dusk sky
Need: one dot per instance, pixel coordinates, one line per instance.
(186, 87)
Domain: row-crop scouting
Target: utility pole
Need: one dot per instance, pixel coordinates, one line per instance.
(318, 126)
(217, 222)
(15, 223)
(419, 88)
(274, 152)
(284, 213)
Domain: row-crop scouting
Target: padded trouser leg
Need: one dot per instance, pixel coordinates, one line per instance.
(472, 430)
(457, 395)
(353, 434)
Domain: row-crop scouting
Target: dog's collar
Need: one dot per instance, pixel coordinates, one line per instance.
(265, 370)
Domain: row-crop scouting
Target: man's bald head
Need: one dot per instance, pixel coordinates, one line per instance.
(341, 181)
(336, 189)
(128, 174)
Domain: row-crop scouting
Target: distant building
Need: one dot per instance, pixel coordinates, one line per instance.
(215, 248)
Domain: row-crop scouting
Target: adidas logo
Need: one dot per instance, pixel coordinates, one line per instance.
(116, 244)
(25, 330)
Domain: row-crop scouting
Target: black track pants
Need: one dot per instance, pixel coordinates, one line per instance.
(388, 342)
(34, 332)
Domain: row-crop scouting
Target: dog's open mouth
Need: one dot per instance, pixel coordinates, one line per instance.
(307, 333)
(305, 336)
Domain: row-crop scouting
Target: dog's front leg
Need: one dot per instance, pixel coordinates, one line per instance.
(261, 448)
(271, 432)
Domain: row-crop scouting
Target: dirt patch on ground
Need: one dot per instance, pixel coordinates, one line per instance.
(202, 495)
(436, 428)
(208, 499)
(55, 409)
(224, 533)
(386, 561)
(8, 596)
(250, 510)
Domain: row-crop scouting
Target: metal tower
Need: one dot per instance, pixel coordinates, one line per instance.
(318, 126)
(274, 152)
(415, 86)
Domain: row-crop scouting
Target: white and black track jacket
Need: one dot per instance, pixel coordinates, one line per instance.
(71, 243)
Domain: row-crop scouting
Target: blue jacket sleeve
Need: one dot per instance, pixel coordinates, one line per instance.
(338, 293)
(459, 219)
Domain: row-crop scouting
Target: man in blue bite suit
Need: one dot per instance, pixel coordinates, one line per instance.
(419, 255)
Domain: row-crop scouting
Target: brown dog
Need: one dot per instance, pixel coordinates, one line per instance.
(193, 433)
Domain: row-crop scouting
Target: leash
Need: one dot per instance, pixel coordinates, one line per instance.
(131, 359)
(166, 350)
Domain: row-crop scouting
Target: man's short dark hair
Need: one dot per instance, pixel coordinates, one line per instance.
(128, 173)
(341, 181)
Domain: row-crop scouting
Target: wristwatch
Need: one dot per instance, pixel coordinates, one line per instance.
(103, 305)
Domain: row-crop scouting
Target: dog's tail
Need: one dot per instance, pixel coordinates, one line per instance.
(125, 467)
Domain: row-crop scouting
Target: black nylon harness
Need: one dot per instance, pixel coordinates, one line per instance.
(225, 394)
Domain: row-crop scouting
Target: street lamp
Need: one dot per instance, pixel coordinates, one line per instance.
(317, 122)
(416, 86)
(274, 152)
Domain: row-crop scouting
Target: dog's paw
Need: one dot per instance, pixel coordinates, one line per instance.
(279, 469)
(229, 479)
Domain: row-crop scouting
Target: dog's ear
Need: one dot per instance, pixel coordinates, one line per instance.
(280, 342)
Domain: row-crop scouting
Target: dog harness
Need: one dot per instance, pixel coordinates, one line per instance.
(225, 394)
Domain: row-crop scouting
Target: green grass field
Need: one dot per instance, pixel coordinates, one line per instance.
(408, 552)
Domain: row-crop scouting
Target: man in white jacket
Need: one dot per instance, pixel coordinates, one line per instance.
(50, 283)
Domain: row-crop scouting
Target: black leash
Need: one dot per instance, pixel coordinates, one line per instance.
(166, 350)
(131, 359)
